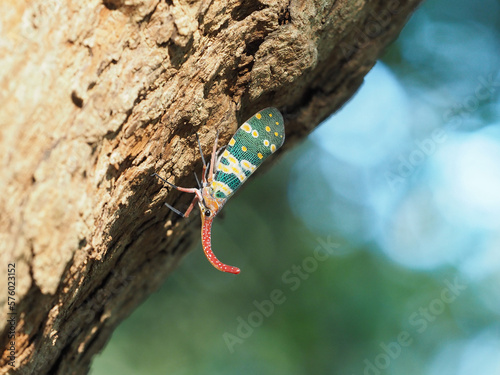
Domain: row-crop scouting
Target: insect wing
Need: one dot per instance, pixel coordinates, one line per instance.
(253, 142)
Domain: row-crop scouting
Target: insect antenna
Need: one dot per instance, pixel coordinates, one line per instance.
(197, 181)
(201, 152)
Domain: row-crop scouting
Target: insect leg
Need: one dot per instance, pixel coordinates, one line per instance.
(219, 151)
(185, 190)
(201, 152)
(212, 160)
(203, 173)
(188, 211)
(195, 191)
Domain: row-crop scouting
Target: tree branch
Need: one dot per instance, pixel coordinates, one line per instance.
(96, 96)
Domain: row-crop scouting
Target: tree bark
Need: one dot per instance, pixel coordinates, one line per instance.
(97, 95)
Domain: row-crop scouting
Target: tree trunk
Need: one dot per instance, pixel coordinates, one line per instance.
(96, 96)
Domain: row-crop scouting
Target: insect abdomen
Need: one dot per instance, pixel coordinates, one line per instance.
(253, 142)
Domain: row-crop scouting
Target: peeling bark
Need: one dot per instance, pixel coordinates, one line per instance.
(97, 95)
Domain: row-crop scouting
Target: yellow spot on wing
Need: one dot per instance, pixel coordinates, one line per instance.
(246, 127)
(270, 115)
(259, 155)
(238, 173)
(258, 115)
(232, 142)
(255, 133)
(276, 134)
(273, 148)
(268, 129)
(266, 142)
(232, 159)
(222, 187)
(247, 165)
(223, 168)
(243, 148)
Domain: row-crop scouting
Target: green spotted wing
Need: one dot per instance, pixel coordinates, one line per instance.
(252, 143)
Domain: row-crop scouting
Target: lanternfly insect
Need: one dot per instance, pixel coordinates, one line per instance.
(253, 142)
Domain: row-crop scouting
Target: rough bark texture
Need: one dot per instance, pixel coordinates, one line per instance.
(96, 95)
